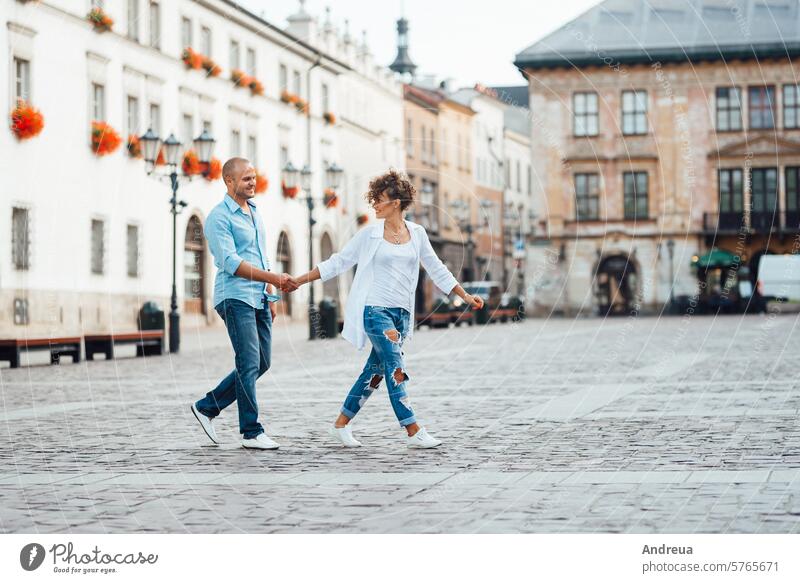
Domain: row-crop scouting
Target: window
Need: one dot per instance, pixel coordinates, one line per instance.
(133, 250)
(587, 194)
(433, 148)
(97, 4)
(444, 148)
(585, 116)
(634, 112)
(236, 142)
(98, 246)
(424, 155)
(283, 78)
(187, 128)
(762, 107)
(133, 115)
(133, 20)
(791, 106)
(793, 191)
(764, 184)
(284, 155)
(98, 102)
(252, 149)
(731, 191)
(208, 126)
(635, 193)
(326, 106)
(186, 32)
(155, 25)
(409, 139)
(459, 154)
(155, 118)
(296, 82)
(22, 79)
(519, 176)
(729, 109)
(205, 41)
(21, 238)
(233, 55)
(251, 61)
(508, 173)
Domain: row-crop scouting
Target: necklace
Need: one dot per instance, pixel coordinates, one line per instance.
(396, 235)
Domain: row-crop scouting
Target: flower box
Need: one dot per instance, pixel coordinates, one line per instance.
(101, 21)
(105, 139)
(134, 146)
(191, 165)
(301, 105)
(26, 121)
(211, 67)
(261, 183)
(256, 87)
(331, 199)
(289, 192)
(192, 59)
(330, 119)
(362, 219)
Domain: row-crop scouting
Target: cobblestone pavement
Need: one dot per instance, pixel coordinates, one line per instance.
(622, 425)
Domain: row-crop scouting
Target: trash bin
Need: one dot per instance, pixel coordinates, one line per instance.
(328, 318)
(151, 317)
(482, 314)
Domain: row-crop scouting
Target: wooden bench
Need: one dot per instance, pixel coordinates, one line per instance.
(70, 346)
(148, 342)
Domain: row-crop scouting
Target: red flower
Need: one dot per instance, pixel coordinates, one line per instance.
(289, 192)
(26, 121)
(101, 21)
(134, 146)
(161, 160)
(105, 139)
(191, 59)
(261, 183)
(362, 219)
(330, 199)
(191, 165)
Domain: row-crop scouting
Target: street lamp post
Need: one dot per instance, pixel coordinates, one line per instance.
(151, 146)
(671, 251)
(460, 210)
(290, 177)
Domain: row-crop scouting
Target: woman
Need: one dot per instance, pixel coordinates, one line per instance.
(381, 302)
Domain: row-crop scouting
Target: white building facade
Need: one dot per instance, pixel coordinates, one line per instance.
(89, 238)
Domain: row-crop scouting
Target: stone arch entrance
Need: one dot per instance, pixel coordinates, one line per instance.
(194, 268)
(616, 285)
(283, 258)
(330, 288)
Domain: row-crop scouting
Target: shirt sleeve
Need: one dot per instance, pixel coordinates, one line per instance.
(344, 259)
(437, 270)
(219, 234)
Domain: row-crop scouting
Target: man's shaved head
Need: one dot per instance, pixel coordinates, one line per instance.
(239, 177)
(233, 166)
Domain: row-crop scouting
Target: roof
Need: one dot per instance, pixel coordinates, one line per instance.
(617, 32)
(513, 94)
(425, 97)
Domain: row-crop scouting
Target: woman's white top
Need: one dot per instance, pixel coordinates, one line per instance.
(395, 267)
(361, 250)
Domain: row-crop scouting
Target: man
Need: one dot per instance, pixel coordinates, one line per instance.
(237, 240)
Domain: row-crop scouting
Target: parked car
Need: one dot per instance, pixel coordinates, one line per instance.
(498, 306)
(779, 279)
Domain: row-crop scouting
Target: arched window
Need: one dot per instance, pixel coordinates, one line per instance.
(283, 258)
(194, 254)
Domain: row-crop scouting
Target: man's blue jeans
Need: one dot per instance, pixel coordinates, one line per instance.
(386, 328)
(250, 331)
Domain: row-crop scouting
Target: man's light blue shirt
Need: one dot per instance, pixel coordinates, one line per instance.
(234, 236)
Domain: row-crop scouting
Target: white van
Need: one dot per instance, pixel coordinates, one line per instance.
(779, 277)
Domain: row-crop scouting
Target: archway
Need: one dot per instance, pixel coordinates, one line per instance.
(616, 285)
(194, 271)
(283, 258)
(330, 288)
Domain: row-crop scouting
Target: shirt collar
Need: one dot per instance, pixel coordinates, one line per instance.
(377, 230)
(233, 207)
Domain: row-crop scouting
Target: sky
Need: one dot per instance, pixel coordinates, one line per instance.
(469, 41)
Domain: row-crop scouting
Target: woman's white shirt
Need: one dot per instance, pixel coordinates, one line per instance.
(361, 250)
(394, 275)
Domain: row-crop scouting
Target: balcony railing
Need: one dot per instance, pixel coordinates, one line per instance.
(753, 222)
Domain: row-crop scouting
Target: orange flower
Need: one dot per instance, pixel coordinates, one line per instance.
(134, 147)
(261, 183)
(239, 78)
(213, 170)
(26, 121)
(101, 21)
(330, 199)
(329, 117)
(161, 160)
(191, 59)
(256, 87)
(362, 219)
(211, 67)
(289, 192)
(105, 139)
(301, 104)
(191, 165)
(287, 97)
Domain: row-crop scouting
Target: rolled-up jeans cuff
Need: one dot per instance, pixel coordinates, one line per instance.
(347, 413)
(408, 421)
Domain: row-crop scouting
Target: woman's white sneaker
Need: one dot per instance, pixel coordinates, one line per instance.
(344, 435)
(261, 441)
(423, 440)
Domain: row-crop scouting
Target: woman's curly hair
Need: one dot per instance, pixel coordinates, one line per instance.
(396, 185)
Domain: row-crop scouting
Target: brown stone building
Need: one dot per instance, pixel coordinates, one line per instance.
(662, 130)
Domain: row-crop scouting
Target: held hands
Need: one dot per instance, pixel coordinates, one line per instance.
(286, 283)
(475, 301)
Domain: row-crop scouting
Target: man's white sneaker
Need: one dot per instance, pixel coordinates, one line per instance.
(207, 423)
(260, 441)
(423, 440)
(344, 435)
